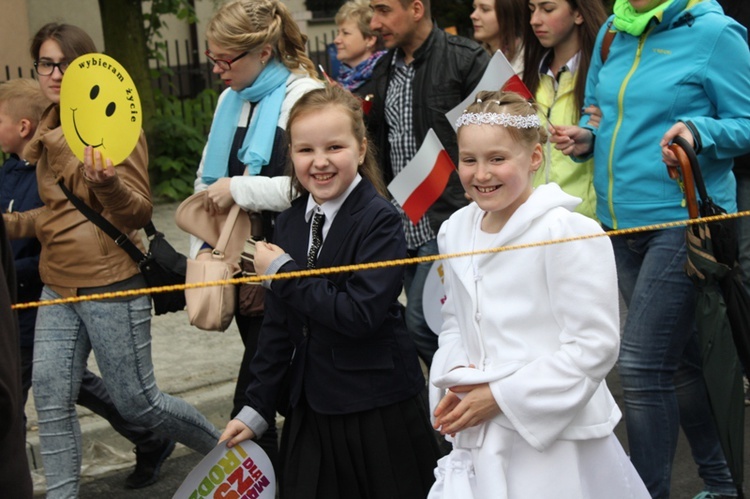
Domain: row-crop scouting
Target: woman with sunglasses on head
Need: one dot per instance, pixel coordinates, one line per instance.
(78, 259)
(259, 52)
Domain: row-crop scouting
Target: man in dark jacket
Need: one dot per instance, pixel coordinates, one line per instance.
(425, 74)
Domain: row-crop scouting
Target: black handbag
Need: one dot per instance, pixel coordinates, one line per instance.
(161, 266)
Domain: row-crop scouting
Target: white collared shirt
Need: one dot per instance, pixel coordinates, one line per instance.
(571, 65)
(330, 209)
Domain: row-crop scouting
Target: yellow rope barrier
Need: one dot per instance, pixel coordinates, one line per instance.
(372, 265)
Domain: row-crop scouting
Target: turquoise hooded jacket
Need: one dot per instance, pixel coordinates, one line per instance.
(692, 66)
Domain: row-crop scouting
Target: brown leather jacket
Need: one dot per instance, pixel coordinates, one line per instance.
(75, 252)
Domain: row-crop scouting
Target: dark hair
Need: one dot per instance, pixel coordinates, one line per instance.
(406, 3)
(593, 15)
(510, 16)
(328, 96)
(73, 41)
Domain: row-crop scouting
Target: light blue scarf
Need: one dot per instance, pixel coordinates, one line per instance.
(269, 90)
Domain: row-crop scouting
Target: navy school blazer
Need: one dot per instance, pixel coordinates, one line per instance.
(354, 353)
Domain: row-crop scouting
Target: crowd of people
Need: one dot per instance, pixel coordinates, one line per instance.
(515, 403)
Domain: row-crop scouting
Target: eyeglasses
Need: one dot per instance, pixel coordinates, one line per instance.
(223, 64)
(46, 68)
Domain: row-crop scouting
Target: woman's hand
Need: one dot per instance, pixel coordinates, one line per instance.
(218, 197)
(236, 432)
(572, 140)
(94, 169)
(454, 413)
(595, 115)
(679, 128)
(265, 254)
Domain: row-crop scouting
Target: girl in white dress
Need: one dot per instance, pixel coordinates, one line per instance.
(528, 335)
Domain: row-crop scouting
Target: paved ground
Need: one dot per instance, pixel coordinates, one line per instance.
(201, 367)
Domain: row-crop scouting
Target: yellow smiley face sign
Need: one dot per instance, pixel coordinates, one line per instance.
(99, 107)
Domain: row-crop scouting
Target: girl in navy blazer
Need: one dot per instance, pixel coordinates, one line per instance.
(357, 424)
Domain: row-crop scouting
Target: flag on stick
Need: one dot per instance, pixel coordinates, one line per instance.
(498, 75)
(423, 179)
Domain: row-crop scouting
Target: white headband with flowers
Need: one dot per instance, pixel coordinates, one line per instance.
(501, 119)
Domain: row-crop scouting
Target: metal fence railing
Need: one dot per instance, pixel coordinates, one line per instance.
(180, 73)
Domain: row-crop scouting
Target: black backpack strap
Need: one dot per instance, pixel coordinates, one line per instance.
(150, 229)
(105, 225)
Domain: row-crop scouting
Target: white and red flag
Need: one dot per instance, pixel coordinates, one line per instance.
(498, 75)
(424, 178)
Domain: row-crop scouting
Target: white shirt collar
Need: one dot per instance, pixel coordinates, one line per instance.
(330, 208)
(571, 65)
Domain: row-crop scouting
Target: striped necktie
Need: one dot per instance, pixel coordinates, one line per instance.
(317, 239)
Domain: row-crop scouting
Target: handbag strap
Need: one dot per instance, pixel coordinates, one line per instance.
(105, 225)
(226, 230)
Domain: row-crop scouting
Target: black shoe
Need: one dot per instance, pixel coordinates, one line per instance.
(147, 465)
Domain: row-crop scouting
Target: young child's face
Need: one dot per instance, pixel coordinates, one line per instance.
(11, 140)
(495, 170)
(325, 152)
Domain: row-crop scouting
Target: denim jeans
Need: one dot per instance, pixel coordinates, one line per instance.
(120, 336)
(94, 397)
(659, 363)
(425, 340)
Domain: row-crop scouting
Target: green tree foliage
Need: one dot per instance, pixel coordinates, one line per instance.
(176, 130)
(455, 13)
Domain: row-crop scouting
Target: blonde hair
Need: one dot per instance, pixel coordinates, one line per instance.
(360, 12)
(23, 98)
(329, 96)
(513, 104)
(247, 25)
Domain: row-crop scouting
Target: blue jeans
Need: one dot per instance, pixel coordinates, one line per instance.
(659, 363)
(425, 340)
(119, 334)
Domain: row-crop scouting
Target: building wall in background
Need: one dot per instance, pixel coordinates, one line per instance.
(22, 18)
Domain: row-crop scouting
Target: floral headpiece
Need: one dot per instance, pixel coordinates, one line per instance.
(502, 119)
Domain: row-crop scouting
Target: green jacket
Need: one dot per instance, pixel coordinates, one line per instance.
(574, 178)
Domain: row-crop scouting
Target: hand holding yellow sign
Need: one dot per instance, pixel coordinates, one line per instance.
(99, 108)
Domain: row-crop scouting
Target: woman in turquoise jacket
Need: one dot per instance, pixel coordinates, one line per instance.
(673, 67)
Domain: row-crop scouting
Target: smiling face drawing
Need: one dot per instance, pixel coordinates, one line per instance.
(99, 107)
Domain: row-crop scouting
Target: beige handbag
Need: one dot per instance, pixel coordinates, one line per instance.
(212, 308)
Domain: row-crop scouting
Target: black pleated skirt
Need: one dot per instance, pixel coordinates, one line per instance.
(384, 453)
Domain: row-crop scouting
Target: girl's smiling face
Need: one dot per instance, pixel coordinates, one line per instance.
(496, 171)
(325, 153)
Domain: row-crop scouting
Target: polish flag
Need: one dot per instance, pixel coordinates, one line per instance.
(498, 75)
(424, 178)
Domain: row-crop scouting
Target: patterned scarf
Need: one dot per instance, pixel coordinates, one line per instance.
(353, 78)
